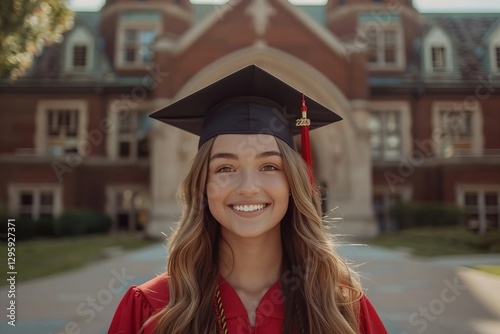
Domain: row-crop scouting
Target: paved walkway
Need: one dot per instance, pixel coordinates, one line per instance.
(412, 296)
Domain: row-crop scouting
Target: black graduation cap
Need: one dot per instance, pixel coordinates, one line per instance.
(249, 101)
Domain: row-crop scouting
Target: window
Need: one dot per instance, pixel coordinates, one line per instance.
(482, 208)
(437, 56)
(386, 136)
(129, 207)
(62, 131)
(59, 126)
(35, 201)
(438, 59)
(384, 200)
(138, 48)
(457, 129)
(137, 32)
(79, 56)
(383, 47)
(133, 136)
(79, 51)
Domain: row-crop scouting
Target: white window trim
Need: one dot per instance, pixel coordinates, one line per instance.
(460, 191)
(477, 124)
(406, 121)
(41, 135)
(438, 38)
(111, 206)
(120, 42)
(400, 52)
(493, 44)
(15, 189)
(122, 108)
(79, 37)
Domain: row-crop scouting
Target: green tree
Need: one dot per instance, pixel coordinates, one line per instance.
(26, 26)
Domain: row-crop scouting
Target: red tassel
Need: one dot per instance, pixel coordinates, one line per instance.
(306, 145)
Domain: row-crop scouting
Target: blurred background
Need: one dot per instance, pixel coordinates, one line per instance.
(414, 167)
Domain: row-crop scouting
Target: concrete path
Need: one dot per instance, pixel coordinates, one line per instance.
(411, 295)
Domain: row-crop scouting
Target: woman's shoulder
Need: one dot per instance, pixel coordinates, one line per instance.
(155, 291)
(138, 304)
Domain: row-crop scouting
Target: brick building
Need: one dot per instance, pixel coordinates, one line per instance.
(419, 94)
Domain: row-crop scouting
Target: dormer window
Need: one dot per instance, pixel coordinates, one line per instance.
(137, 33)
(79, 51)
(438, 57)
(80, 56)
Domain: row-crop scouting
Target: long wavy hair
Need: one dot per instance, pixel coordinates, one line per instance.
(321, 293)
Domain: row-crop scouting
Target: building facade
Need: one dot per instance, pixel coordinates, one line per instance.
(419, 94)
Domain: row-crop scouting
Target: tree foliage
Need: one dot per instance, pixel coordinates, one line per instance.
(26, 26)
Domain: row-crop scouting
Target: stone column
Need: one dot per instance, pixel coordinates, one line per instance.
(343, 155)
(172, 152)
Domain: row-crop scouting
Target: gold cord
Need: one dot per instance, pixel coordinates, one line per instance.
(220, 313)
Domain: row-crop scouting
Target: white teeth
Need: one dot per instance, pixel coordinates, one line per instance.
(249, 208)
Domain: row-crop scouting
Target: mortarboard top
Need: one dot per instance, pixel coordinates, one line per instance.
(249, 101)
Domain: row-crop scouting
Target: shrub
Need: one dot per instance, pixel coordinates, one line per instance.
(44, 227)
(409, 215)
(24, 228)
(81, 221)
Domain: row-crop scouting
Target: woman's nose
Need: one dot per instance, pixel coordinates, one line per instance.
(249, 184)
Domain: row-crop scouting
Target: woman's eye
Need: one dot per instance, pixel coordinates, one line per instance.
(224, 169)
(269, 168)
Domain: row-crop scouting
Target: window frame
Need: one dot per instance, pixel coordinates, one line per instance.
(403, 108)
(112, 206)
(79, 37)
(121, 42)
(405, 193)
(16, 189)
(380, 33)
(42, 137)
(118, 109)
(437, 38)
(482, 210)
(476, 138)
(443, 67)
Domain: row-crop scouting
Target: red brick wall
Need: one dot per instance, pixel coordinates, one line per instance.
(235, 31)
(17, 122)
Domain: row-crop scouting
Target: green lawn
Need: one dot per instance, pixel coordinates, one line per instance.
(41, 257)
(495, 270)
(440, 241)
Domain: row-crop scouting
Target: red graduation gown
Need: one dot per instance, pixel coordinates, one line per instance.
(140, 302)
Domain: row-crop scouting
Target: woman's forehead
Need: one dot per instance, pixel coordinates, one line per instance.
(241, 144)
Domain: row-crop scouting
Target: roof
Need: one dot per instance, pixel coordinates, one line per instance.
(468, 31)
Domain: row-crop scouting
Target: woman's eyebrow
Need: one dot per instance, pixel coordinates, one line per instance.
(230, 156)
(268, 154)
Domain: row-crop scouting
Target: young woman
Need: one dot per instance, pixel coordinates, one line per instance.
(250, 253)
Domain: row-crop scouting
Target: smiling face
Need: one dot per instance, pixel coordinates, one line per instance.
(247, 189)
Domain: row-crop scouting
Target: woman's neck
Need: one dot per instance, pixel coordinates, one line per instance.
(251, 264)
